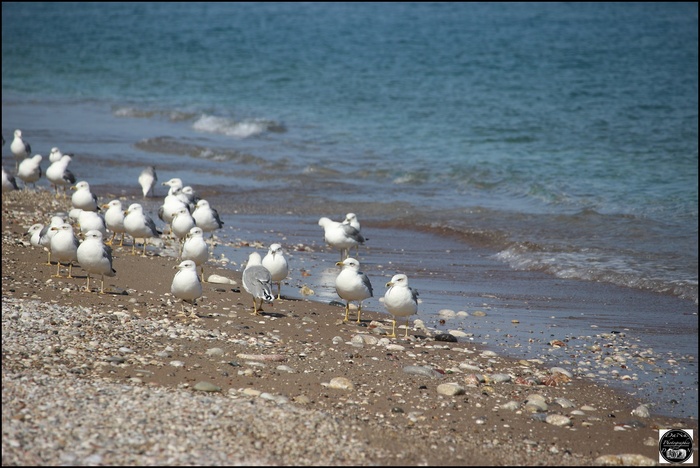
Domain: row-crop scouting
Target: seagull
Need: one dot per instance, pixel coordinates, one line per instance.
(186, 285)
(196, 248)
(42, 238)
(56, 155)
(8, 182)
(58, 173)
(172, 183)
(139, 224)
(64, 248)
(277, 265)
(114, 219)
(34, 233)
(181, 224)
(352, 285)
(170, 205)
(83, 198)
(95, 257)
(188, 197)
(400, 300)
(351, 219)
(257, 281)
(91, 220)
(340, 236)
(29, 170)
(147, 180)
(20, 148)
(207, 217)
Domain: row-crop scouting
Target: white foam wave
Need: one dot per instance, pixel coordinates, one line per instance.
(595, 266)
(229, 127)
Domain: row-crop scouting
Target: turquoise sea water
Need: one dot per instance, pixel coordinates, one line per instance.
(561, 139)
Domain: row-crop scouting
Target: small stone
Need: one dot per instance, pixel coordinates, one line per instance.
(627, 459)
(214, 352)
(641, 411)
(341, 383)
(424, 371)
(446, 337)
(207, 387)
(558, 420)
(450, 389)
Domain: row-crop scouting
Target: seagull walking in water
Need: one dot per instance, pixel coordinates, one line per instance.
(340, 236)
(352, 285)
(258, 282)
(400, 300)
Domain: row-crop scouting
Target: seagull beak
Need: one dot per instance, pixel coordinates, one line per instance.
(339, 263)
(73, 187)
(104, 207)
(389, 284)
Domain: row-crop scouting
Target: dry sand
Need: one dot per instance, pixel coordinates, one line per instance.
(124, 378)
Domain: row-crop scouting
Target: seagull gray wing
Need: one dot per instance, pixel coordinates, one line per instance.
(367, 284)
(352, 233)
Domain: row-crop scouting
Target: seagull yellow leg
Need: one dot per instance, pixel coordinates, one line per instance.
(347, 311)
(58, 270)
(359, 311)
(393, 329)
(70, 269)
(406, 327)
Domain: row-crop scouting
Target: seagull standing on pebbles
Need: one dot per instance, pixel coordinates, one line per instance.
(9, 183)
(277, 265)
(186, 285)
(114, 219)
(29, 170)
(83, 198)
(96, 258)
(196, 249)
(257, 281)
(64, 248)
(352, 285)
(400, 300)
(139, 225)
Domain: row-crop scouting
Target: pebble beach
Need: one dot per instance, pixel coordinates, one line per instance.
(124, 378)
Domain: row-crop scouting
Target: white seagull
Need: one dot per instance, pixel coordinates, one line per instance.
(42, 238)
(352, 285)
(64, 248)
(19, 148)
(147, 180)
(277, 265)
(83, 198)
(400, 300)
(29, 170)
(95, 258)
(139, 225)
(58, 173)
(8, 182)
(91, 220)
(186, 285)
(56, 154)
(196, 248)
(257, 281)
(114, 219)
(181, 224)
(351, 219)
(340, 236)
(207, 217)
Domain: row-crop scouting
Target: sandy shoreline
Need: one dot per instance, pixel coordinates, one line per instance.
(73, 362)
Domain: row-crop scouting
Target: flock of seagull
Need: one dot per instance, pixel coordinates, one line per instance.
(188, 219)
